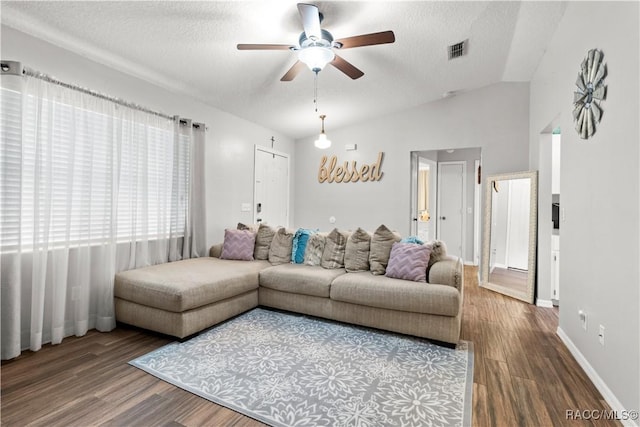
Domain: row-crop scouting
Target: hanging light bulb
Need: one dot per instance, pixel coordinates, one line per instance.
(322, 142)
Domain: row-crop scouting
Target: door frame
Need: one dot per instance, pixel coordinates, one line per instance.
(477, 201)
(433, 190)
(413, 188)
(463, 216)
(255, 163)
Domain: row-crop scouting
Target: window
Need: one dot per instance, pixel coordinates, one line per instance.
(73, 174)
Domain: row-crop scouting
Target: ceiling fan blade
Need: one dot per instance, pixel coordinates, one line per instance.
(346, 67)
(293, 71)
(310, 20)
(264, 46)
(367, 39)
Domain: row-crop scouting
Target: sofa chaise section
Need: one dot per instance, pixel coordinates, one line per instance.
(184, 297)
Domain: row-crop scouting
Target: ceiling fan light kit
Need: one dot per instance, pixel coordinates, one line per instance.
(315, 46)
(316, 57)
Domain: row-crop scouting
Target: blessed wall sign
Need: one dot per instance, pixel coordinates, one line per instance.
(329, 170)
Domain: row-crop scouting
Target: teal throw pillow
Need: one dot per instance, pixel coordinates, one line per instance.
(412, 239)
(300, 240)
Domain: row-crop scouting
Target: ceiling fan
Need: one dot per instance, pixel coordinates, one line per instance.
(315, 46)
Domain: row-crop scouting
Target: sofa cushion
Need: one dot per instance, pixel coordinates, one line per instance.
(334, 248)
(238, 245)
(300, 279)
(381, 243)
(356, 255)
(315, 248)
(280, 249)
(395, 294)
(408, 261)
(187, 284)
(263, 241)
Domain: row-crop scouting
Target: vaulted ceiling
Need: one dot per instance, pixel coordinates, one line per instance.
(190, 47)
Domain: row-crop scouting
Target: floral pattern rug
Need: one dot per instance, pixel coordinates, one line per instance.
(288, 369)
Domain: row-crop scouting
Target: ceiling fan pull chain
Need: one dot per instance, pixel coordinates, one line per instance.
(315, 91)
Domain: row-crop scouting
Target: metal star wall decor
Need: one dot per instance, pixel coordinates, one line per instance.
(587, 111)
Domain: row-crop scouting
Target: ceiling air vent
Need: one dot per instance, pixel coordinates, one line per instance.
(457, 50)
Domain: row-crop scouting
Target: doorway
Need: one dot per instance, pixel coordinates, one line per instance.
(549, 215)
(469, 160)
(271, 187)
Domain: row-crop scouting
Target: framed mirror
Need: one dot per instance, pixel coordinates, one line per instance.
(510, 233)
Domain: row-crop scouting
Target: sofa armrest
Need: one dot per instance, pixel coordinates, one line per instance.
(215, 251)
(448, 271)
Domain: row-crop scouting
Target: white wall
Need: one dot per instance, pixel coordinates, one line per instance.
(600, 193)
(494, 118)
(230, 140)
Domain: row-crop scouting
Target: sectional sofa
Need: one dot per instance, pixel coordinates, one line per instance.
(355, 277)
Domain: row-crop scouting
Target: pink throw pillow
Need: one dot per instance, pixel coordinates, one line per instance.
(408, 261)
(238, 245)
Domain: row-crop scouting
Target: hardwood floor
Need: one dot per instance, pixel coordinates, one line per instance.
(510, 278)
(524, 376)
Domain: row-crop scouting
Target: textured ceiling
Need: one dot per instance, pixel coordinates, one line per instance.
(190, 47)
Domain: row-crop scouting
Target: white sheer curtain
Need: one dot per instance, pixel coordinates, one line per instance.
(89, 188)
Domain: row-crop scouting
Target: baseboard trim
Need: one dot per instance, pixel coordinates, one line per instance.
(546, 303)
(606, 392)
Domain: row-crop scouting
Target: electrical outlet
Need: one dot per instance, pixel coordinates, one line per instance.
(601, 335)
(583, 319)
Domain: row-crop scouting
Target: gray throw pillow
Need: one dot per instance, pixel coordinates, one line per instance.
(280, 249)
(315, 247)
(334, 248)
(252, 227)
(264, 237)
(381, 243)
(356, 256)
(438, 251)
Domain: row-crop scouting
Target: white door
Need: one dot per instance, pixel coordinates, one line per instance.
(451, 189)
(271, 189)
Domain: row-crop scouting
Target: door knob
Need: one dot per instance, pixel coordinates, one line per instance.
(443, 218)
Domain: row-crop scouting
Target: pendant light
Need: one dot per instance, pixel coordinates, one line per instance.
(322, 142)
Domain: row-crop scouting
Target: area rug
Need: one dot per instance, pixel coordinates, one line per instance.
(286, 369)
